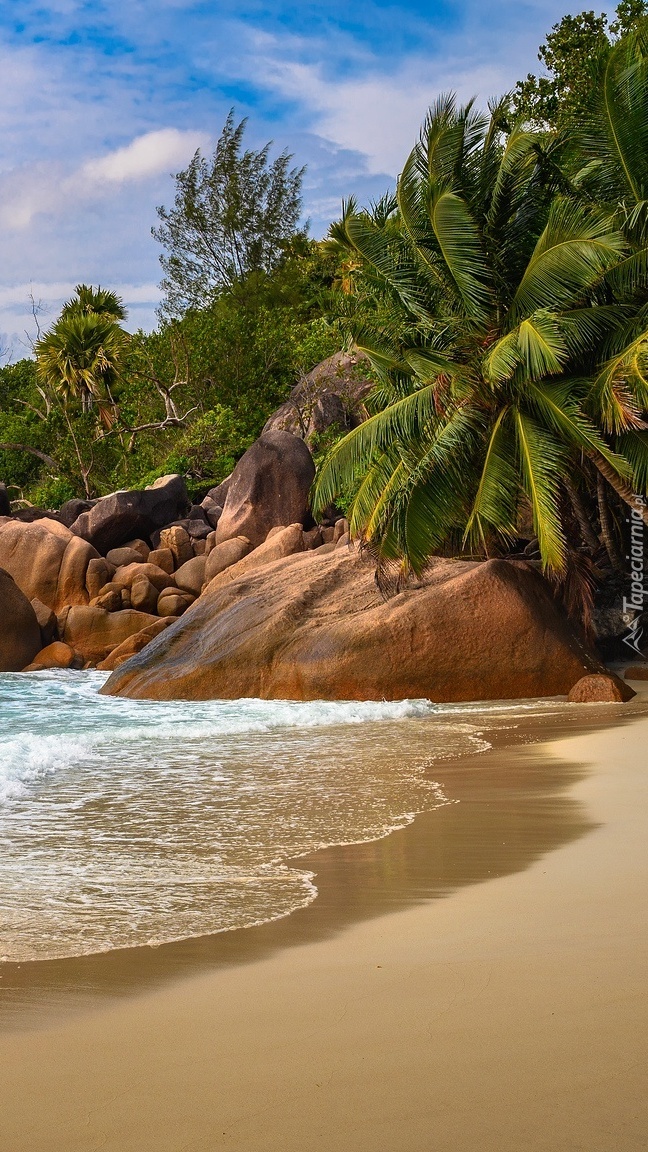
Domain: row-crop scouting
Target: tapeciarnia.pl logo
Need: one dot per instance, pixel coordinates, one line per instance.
(638, 593)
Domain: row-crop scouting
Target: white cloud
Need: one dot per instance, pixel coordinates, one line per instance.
(45, 187)
(147, 155)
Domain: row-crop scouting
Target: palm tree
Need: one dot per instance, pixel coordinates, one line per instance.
(79, 357)
(490, 309)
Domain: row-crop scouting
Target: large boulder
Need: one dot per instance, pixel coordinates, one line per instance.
(315, 626)
(93, 632)
(332, 395)
(47, 561)
(268, 487)
(20, 635)
(114, 520)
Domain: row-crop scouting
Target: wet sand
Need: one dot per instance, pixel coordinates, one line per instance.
(475, 981)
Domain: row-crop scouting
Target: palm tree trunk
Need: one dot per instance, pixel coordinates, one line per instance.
(587, 532)
(622, 489)
(607, 525)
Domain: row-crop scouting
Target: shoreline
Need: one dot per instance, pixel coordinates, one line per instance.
(504, 1011)
(33, 991)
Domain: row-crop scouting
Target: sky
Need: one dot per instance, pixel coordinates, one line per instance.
(102, 101)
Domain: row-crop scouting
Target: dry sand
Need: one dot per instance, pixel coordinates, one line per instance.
(512, 1014)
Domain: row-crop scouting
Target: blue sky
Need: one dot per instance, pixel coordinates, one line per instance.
(102, 101)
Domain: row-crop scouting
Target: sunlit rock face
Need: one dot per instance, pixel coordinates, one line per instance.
(315, 625)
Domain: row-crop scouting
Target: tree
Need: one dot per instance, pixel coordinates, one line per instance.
(560, 97)
(79, 357)
(490, 339)
(233, 214)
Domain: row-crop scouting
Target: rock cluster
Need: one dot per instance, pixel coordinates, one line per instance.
(102, 578)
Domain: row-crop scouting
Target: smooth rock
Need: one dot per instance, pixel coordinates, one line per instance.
(174, 603)
(599, 688)
(134, 644)
(56, 655)
(47, 561)
(284, 543)
(144, 595)
(72, 509)
(190, 577)
(121, 516)
(212, 510)
(139, 546)
(162, 558)
(99, 573)
(110, 599)
(120, 557)
(270, 486)
(223, 555)
(315, 626)
(93, 632)
(636, 672)
(46, 621)
(20, 635)
(125, 576)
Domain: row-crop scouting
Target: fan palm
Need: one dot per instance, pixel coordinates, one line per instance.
(489, 315)
(79, 359)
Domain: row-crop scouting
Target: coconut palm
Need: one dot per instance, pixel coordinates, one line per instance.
(490, 315)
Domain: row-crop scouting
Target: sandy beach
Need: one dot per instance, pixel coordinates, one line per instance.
(475, 981)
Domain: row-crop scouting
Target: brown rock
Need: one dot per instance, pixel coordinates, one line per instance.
(200, 546)
(123, 515)
(210, 543)
(46, 621)
(174, 603)
(109, 599)
(139, 546)
(46, 561)
(126, 603)
(162, 558)
(599, 688)
(99, 573)
(269, 486)
(636, 672)
(134, 644)
(124, 577)
(340, 529)
(315, 626)
(144, 595)
(178, 541)
(212, 510)
(120, 557)
(343, 541)
(190, 577)
(20, 635)
(93, 632)
(223, 555)
(56, 655)
(313, 538)
(327, 535)
(284, 543)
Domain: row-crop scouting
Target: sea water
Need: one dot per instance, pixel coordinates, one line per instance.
(126, 823)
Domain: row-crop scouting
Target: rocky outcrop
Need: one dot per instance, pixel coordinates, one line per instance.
(315, 626)
(116, 519)
(332, 395)
(93, 633)
(55, 655)
(47, 561)
(20, 635)
(269, 487)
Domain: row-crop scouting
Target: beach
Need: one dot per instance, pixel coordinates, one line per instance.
(476, 980)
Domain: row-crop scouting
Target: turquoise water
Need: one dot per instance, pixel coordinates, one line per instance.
(127, 822)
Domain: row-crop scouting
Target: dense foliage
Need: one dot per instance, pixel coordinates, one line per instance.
(501, 294)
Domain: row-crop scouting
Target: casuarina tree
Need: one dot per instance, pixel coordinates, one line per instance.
(233, 214)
